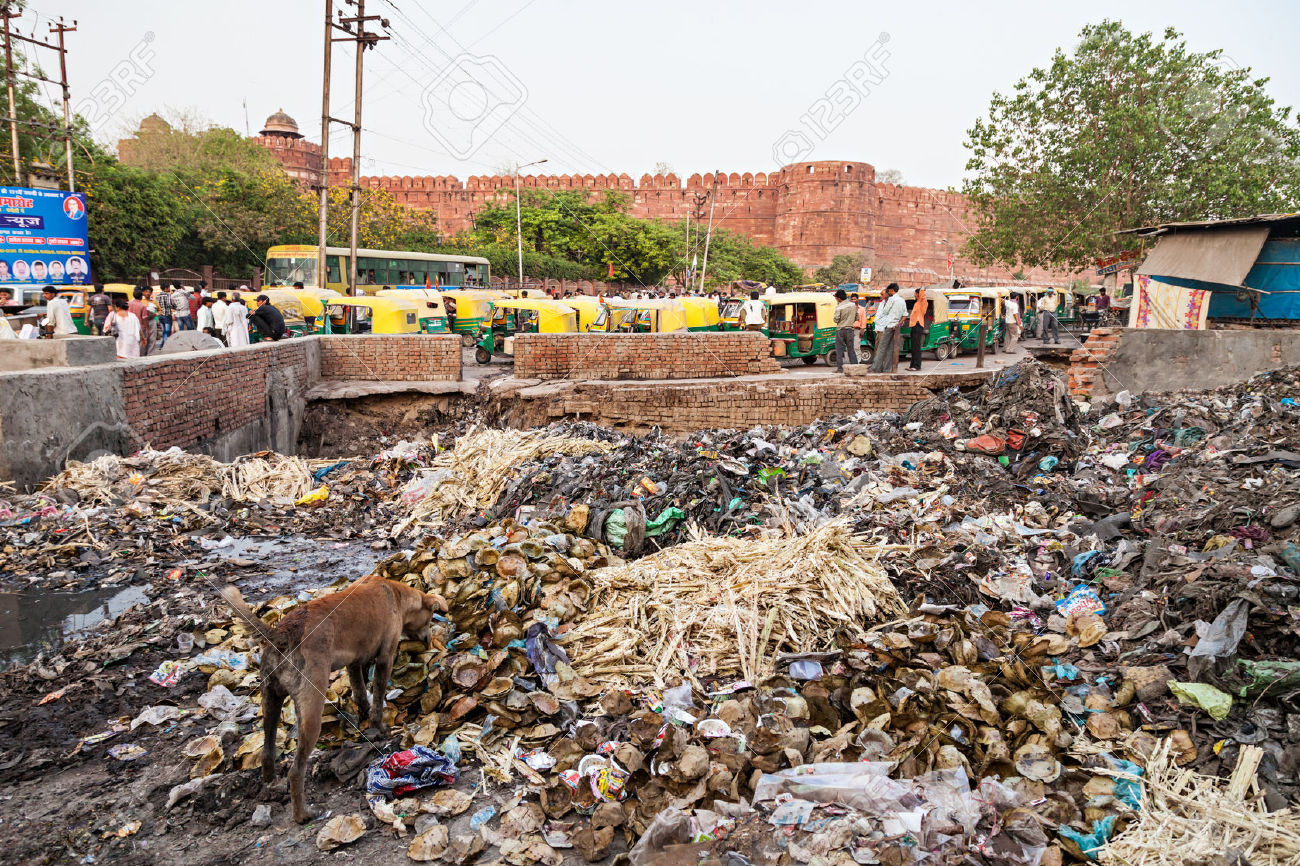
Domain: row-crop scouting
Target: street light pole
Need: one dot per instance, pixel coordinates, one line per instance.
(519, 223)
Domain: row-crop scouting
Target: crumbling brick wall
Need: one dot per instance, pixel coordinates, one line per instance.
(1087, 362)
(185, 399)
(682, 355)
(683, 406)
(391, 358)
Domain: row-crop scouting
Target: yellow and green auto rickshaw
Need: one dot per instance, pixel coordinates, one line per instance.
(292, 305)
(371, 315)
(79, 309)
(587, 307)
(730, 313)
(938, 334)
(522, 316)
(701, 314)
(967, 307)
(645, 316)
(433, 310)
(802, 325)
(468, 310)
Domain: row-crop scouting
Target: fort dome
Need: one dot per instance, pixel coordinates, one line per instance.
(282, 125)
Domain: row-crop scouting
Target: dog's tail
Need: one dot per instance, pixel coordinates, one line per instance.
(245, 613)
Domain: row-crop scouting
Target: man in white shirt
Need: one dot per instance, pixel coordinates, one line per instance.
(220, 312)
(888, 318)
(207, 322)
(754, 312)
(125, 326)
(57, 314)
(1047, 312)
(1013, 323)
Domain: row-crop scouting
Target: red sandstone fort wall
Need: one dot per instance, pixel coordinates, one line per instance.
(810, 211)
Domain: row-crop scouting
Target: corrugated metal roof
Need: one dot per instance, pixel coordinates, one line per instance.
(1259, 219)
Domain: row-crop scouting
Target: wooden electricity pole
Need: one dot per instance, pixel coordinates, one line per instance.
(322, 235)
(61, 29)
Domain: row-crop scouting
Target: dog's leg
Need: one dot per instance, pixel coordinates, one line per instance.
(309, 701)
(272, 703)
(357, 677)
(383, 670)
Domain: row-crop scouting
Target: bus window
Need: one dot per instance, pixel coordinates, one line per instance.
(419, 273)
(332, 267)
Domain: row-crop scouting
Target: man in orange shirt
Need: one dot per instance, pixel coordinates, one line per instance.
(919, 322)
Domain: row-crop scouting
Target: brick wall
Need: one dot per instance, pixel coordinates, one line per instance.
(1087, 361)
(399, 358)
(684, 406)
(186, 399)
(642, 356)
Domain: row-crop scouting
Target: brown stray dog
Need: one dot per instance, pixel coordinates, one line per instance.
(351, 628)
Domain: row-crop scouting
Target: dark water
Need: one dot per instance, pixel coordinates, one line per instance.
(32, 621)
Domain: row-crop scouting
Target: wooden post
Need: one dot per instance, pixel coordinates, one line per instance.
(979, 352)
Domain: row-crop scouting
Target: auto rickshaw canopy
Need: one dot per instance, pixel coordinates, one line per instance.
(536, 315)
(287, 302)
(822, 303)
(374, 315)
(938, 302)
(588, 309)
(657, 315)
(701, 313)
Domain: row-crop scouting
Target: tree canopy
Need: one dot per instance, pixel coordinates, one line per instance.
(568, 235)
(1128, 130)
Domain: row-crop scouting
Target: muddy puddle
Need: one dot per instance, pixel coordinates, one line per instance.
(271, 566)
(33, 621)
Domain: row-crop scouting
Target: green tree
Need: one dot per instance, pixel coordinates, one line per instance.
(136, 220)
(844, 268)
(1128, 130)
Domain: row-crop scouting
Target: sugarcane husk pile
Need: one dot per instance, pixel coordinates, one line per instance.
(471, 476)
(182, 479)
(725, 606)
(1187, 817)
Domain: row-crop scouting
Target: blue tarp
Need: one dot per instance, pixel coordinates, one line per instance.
(1277, 271)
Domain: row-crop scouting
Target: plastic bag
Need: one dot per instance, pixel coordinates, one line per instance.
(1217, 703)
(1082, 599)
(403, 772)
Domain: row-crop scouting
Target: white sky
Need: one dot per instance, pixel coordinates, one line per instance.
(599, 87)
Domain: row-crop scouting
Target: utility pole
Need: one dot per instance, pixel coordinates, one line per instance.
(322, 239)
(708, 235)
(519, 221)
(8, 14)
(363, 40)
(60, 29)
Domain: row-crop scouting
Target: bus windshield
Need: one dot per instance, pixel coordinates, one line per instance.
(287, 270)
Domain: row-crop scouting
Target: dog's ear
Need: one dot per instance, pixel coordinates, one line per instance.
(433, 602)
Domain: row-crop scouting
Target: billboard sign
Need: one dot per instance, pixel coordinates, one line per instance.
(43, 237)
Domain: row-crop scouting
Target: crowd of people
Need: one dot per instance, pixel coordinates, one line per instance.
(151, 316)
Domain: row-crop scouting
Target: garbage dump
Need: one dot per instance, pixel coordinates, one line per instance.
(1000, 627)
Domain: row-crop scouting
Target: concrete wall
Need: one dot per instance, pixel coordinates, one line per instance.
(681, 355)
(1137, 360)
(60, 352)
(383, 358)
(224, 403)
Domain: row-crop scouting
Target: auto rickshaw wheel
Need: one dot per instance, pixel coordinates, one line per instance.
(467, 340)
(865, 354)
(943, 351)
(831, 358)
(810, 359)
(483, 356)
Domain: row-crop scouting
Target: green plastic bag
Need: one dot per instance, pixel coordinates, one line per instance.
(1215, 702)
(666, 520)
(1269, 676)
(615, 528)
